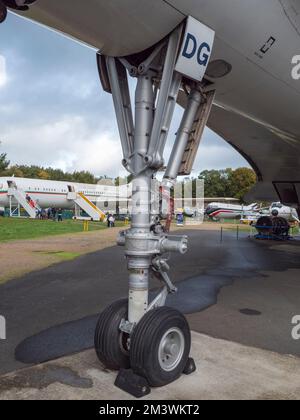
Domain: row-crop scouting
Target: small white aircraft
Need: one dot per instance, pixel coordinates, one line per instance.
(221, 211)
(35, 194)
(231, 65)
(280, 210)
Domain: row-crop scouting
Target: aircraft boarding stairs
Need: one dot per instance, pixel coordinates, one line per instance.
(87, 206)
(22, 200)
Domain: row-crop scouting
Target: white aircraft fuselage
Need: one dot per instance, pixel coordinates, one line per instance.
(219, 211)
(54, 194)
(288, 213)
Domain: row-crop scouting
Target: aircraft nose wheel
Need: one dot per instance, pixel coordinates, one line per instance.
(111, 344)
(160, 346)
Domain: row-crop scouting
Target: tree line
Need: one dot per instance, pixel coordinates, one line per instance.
(228, 182)
(38, 172)
(234, 183)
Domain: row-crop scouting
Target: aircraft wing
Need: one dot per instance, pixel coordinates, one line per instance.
(274, 156)
(112, 26)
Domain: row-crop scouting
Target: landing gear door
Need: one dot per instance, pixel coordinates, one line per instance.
(196, 50)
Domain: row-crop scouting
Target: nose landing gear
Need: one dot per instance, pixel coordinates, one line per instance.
(149, 342)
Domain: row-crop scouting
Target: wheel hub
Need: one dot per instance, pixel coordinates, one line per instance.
(171, 349)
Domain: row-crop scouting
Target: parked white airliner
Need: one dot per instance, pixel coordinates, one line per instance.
(32, 194)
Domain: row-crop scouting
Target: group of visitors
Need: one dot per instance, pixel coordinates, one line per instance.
(57, 214)
(50, 214)
(44, 214)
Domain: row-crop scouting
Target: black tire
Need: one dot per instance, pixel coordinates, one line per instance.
(145, 344)
(110, 342)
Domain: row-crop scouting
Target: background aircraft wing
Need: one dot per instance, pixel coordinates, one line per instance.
(273, 155)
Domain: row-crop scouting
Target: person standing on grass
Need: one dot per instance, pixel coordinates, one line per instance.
(43, 214)
(111, 221)
(54, 215)
(60, 215)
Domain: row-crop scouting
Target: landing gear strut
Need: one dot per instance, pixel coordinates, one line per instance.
(151, 339)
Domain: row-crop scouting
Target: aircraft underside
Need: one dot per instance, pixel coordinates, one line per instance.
(256, 103)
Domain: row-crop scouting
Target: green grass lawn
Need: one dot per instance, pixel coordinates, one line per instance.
(62, 255)
(12, 229)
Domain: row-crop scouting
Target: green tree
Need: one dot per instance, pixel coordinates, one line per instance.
(242, 180)
(4, 163)
(228, 182)
(216, 183)
(12, 171)
(122, 181)
(84, 177)
(43, 174)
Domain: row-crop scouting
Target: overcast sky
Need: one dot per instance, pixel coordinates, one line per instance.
(54, 113)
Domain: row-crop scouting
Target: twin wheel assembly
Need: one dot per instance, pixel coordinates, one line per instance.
(158, 348)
